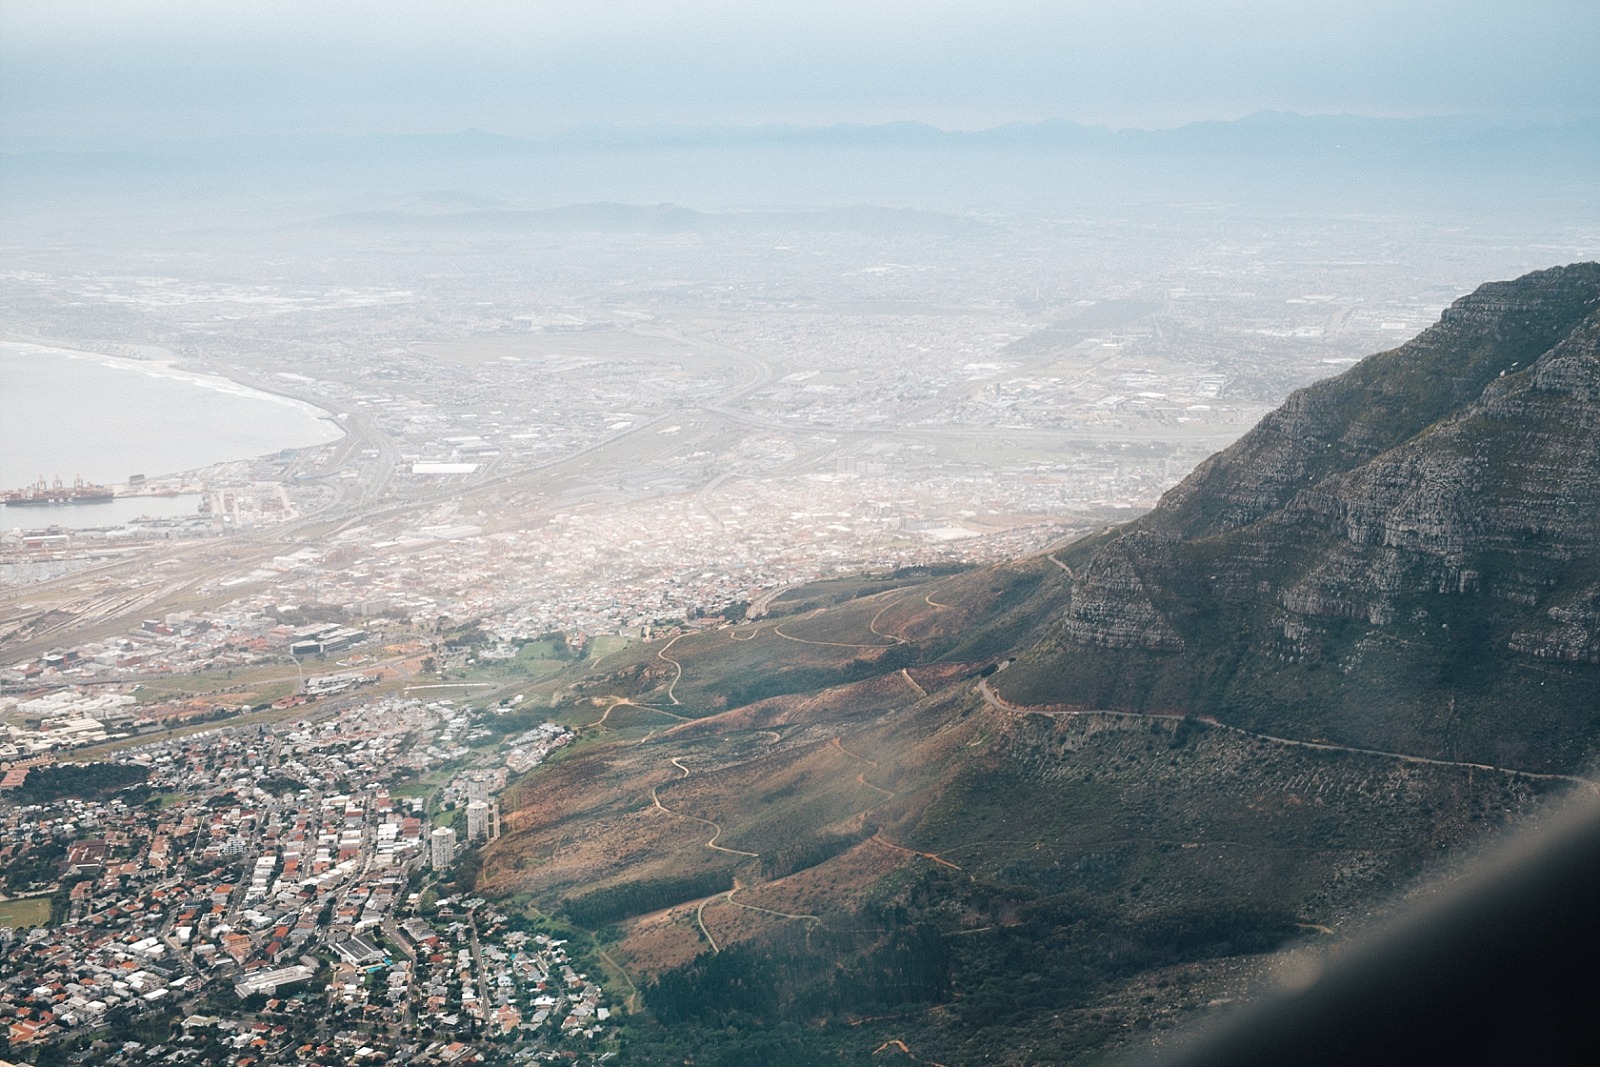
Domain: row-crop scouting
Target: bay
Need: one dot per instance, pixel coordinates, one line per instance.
(68, 414)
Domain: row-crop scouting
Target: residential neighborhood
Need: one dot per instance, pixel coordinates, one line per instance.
(299, 893)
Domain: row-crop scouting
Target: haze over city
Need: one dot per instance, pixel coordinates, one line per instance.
(405, 407)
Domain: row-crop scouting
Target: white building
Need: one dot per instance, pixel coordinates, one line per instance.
(443, 845)
(477, 821)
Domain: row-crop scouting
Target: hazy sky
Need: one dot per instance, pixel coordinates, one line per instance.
(104, 74)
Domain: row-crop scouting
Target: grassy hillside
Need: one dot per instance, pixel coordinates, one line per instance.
(817, 873)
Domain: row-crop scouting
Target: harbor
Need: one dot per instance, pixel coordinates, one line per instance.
(43, 494)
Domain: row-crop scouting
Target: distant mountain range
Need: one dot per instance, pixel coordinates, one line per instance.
(655, 218)
(1415, 141)
(1265, 132)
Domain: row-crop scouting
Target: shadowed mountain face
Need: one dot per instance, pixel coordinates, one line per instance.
(1033, 812)
(1403, 557)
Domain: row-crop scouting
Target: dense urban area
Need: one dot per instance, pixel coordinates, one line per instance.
(290, 892)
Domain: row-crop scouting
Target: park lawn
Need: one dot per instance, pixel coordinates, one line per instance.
(602, 645)
(25, 911)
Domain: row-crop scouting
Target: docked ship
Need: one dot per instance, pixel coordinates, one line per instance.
(51, 494)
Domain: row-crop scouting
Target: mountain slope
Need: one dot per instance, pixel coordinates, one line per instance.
(1402, 557)
(1029, 813)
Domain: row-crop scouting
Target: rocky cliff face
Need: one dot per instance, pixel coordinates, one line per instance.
(1339, 424)
(1422, 530)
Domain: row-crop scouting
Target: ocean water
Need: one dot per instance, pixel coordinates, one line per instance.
(70, 414)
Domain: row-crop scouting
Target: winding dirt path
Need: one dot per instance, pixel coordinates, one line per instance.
(728, 896)
(873, 625)
(934, 856)
(716, 828)
(700, 913)
(700, 921)
(700, 909)
(994, 700)
(632, 1003)
(619, 702)
(893, 640)
(888, 794)
(896, 1043)
(661, 654)
(757, 632)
